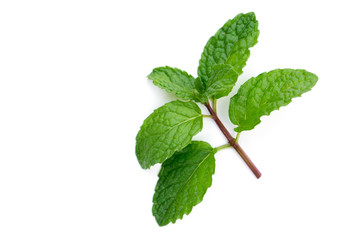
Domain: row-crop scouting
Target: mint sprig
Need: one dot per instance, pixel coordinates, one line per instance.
(166, 135)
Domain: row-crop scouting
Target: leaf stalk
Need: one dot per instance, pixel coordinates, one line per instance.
(237, 137)
(214, 104)
(222, 147)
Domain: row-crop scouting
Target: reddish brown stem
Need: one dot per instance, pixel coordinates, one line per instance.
(233, 143)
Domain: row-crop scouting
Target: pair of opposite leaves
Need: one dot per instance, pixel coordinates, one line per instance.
(166, 135)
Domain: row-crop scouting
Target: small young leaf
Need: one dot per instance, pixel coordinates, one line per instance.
(230, 45)
(183, 181)
(168, 129)
(221, 81)
(175, 81)
(199, 85)
(269, 91)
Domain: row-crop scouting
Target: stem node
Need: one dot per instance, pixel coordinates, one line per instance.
(233, 142)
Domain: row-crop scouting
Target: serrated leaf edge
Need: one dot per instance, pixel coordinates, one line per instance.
(158, 84)
(156, 110)
(187, 180)
(276, 109)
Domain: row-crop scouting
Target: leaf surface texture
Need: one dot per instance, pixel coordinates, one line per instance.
(221, 81)
(167, 130)
(175, 81)
(267, 92)
(230, 45)
(183, 182)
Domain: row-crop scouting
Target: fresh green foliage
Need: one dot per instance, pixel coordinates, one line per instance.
(230, 45)
(168, 129)
(166, 135)
(221, 81)
(175, 81)
(267, 92)
(183, 181)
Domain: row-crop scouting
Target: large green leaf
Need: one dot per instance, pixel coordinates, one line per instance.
(183, 181)
(269, 91)
(175, 81)
(168, 129)
(230, 45)
(221, 81)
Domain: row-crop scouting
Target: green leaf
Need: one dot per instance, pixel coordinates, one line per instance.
(199, 85)
(267, 92)
(175, 81)
(221, 81)
(167, 130)
(230, 45)
(183, 181)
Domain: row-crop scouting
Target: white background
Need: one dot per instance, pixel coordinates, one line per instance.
(74, 92)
